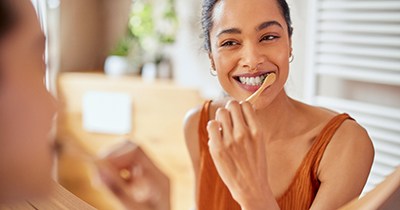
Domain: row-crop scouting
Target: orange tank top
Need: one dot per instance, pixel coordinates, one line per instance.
(214, 195)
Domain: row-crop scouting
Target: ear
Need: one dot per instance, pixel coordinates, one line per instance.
(211, 60)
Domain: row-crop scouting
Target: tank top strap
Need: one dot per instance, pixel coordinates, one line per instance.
(317, 150)
(204, 118)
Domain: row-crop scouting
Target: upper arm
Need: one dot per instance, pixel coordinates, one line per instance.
(191, 126)
(345, 167)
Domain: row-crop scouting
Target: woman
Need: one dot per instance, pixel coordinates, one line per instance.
(27, 111)
(276, 153)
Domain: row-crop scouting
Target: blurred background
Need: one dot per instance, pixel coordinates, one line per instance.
(126, 69)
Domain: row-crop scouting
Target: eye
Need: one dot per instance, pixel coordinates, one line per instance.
(269, 38)
(229, 44)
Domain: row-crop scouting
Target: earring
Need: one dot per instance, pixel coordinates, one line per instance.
(291, 58)
(213, 72)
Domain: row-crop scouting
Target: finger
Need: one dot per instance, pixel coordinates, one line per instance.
(112, 180)
(220, 156)
(140, 157)
(214, 134)
(127, 198)
(258, 146)
(121, 155)
(142, 193)
(254, 127)
(238, 121)
(129, 156)
(236, 112)
(223, 116)
(241, 134)
(249, 115)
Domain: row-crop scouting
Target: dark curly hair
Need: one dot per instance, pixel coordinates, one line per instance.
(207, 13)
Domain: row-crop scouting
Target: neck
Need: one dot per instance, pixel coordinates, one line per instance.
(278, 115)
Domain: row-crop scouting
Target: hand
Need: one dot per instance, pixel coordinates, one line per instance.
(135, 179)
(237, 148)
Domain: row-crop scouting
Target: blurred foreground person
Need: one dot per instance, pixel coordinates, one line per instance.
(27, 110)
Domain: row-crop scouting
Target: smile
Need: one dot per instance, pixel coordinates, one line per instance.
(255, 80)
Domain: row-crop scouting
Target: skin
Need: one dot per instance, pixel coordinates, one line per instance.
(257, 140)
(27, 111)
(147, 188)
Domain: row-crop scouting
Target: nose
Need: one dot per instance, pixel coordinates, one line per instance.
(252, 57)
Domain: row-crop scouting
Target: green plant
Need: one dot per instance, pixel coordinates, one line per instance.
(123, 47)
(149, 30)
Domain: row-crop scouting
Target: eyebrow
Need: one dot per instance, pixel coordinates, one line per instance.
(229, 31)
(268, 24)
(259, 28)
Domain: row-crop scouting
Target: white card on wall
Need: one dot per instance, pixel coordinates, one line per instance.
(107, 112)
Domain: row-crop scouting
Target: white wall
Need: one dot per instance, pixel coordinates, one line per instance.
(191, 64)
(296, 82)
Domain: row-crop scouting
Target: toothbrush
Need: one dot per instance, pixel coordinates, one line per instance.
(267, 82)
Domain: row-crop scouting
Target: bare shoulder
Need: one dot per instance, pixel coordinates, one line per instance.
(345, 166)
(191, 125)
(350, 143)
(352, 140)
(191, 133)
(192, 118)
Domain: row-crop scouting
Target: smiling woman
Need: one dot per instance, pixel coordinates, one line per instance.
(276, 153)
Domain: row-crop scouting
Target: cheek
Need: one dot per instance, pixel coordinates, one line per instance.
(225, 64)
(280, 57)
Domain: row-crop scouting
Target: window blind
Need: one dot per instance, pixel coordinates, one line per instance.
(40, 7)
(358, 41)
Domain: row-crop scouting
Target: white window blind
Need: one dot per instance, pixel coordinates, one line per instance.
(40, 7)
(354, 67)
(48, 15)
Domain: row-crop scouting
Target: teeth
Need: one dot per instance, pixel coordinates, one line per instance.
(253, 81)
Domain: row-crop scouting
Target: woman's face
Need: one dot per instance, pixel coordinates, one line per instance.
(249, 39)
(26, 110)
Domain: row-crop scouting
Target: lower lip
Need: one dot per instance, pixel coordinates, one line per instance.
(249, 88)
